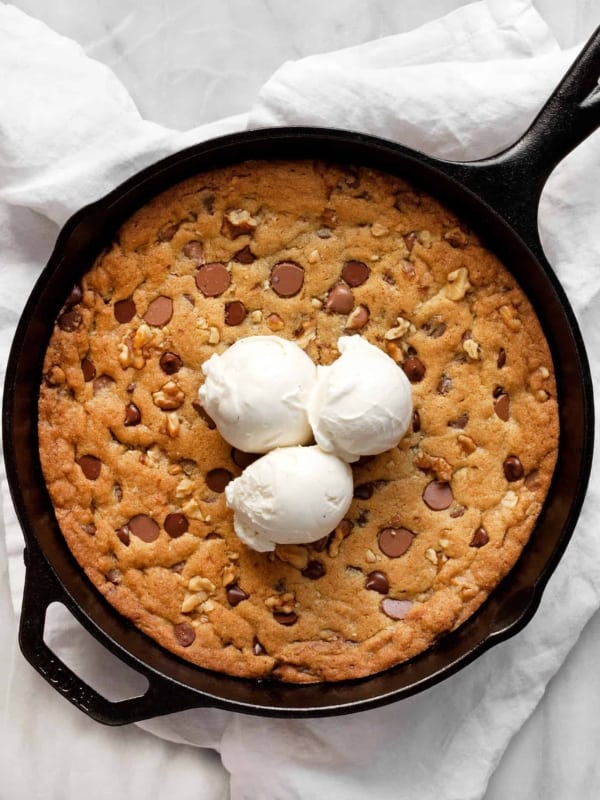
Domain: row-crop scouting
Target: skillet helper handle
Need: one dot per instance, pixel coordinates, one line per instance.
(42, 589)
(512, 181)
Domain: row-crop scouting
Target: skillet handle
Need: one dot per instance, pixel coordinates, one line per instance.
(512, 181)
(42, 588)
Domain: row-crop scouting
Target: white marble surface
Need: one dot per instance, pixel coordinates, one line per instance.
(188, 62)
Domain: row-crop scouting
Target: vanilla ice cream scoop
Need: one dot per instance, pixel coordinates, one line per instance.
(257, 391)
(361, 404)
(292, 495)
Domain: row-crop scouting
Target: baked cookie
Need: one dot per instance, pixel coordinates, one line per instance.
(136, 469)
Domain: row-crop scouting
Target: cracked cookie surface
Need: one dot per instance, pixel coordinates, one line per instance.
(136, 469)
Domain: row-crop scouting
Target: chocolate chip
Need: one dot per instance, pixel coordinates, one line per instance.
(75, 296)
(244, 256)
(377, 582)
(502, 407)
(130, 388)
(362, 518)
(178, 567)
(444, 384)
(235, 312)
(340, 299)
(480, 537)
(88, 369)
(257, 648)
(314, 570)
(414, 369)
(144, 528)
(213, 279)
(243, 459)
(395, 609)
(416, 422)
(133, 416)
(532, 481)
(460, 422)
(184, 633)
(159, 312)
(513, 469)
(364, 491)
(195, 251)
(118, 492)
(89, 528)
(217, 479)
(114, 575)
(501, 358)
(435, 327)
(320, 544)
(69, 321)
(355, 273)
(394, 542)
(170, 363)
(199, 409)
(124, 310)
(168, 232)
(123, 535)
(498, 390)
(287, 278)
(438, 496)
(208, 202)
(235, 594)
(90, 466)
(285, 619)
(459, 511)
(176, 524)
(102, 382)
(410, 239)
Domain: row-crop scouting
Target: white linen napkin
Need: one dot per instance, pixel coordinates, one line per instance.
(461, 87)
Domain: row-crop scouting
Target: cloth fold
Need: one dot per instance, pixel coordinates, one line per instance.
(461, 87)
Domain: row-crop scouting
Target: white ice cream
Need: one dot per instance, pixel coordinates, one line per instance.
(292, 495)
(362, 403)
(257, 392)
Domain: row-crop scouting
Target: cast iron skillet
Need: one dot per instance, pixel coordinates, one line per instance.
(499, 198)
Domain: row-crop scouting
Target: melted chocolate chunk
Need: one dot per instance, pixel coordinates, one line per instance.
(513, 469)
(168, 232)
(377, 582)
(176, 524)
(438, 496)
(124, 310)
(340, 299)
(144, 527)
(314, 570)
(170, 363)
(90, 466)
(395, 609)
(88, 369)
(501, 360)
(159, 312)
(75, 296)
(241, 459)
(459, 423)
(364, 491)
(394, 542)
(285, 619)
(123, 535)
(244, 256)
(133, 416)
(480, 537)
(69, 321)
(217, 479)
(355, 273)
(235, 312)
(414, 369)
(287, 278)
(213, 279)
(416, 422)
(184, 633)
(195, 251)
(502, 407)
(235, 594)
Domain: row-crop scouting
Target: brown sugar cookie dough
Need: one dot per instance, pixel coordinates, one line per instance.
(137, 470)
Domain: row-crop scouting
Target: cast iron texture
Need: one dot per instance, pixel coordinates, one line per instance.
(499, 198)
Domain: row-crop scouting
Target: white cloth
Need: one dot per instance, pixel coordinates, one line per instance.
(461, 87)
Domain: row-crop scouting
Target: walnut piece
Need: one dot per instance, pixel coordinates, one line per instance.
(169, 397)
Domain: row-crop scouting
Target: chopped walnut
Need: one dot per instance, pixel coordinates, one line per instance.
(458, 284)
(378, 230)
(256, 316)
(229, 575)
(402, 327)
(456, 238)
(370, 556)
(169, 397)
(193, 510)
(214, 336)
(275, 322)
(199, 583)
(313, 257)
(467, 444)
(510, 500)
(173, 425)
(124, 355)
(283, 603)
(184, 488)
(541, 395)
(293, 554)
(471, 348)
(510, 317)
(438, 465)
(238, 222)
(431, 555)
(316, 303)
